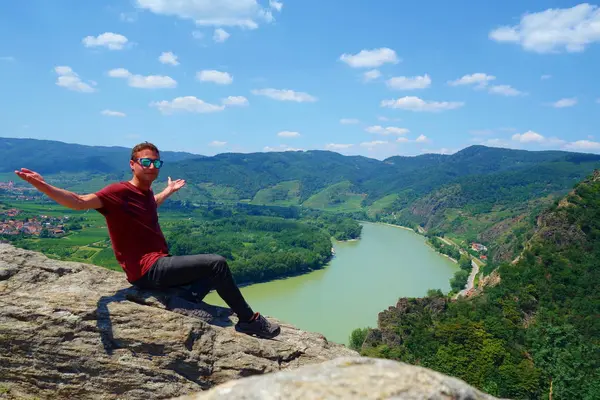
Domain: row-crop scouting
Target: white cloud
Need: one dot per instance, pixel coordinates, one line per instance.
(371, 145)
(505, 90)
(110, 113)
(419, 139)
(370, 58)
(371, 75)
(8, 58)
(220, 35)
(567, 102)
(119, 73)
(217, 143)
(583, 145)
(277, 5)
(198, 35)
(235, 101)
(112, 41)
(386, 130)
(218, 77)
(349, 121)
(143, 82)
(522, 140)
(496, 143)
(282, 147)
(413, 103)
(285, 95)
(409, 83)
(443, 150)
(479, 78)
(338, 146)
(168, 58)
(554, 30)
(288, 134)
(128, 17)
(67, 78)
(187, 104)
(241, 13)
(528, 137)
(544, 77)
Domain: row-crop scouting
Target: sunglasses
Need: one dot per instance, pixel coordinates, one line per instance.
(146, 162)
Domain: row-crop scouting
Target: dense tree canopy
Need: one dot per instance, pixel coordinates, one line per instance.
(538, 328)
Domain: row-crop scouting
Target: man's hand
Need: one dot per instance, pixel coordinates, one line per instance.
(30, 176)
(174, 186)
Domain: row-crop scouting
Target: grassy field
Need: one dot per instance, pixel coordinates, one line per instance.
(89, 245)
(338, 197)
(223, 193)
(282, 194)
(381, 204)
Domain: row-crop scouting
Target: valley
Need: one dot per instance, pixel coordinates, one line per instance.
(274, 217)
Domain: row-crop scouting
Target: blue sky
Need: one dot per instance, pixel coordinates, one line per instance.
(371, 78)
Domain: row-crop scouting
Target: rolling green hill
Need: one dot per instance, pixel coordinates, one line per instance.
(341, 196)
(281, 194)
(50, 156)
(479, 193)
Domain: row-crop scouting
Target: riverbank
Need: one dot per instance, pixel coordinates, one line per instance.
(366, 276)
(326, 264)
(421, 232)
(396, 226)
(442, 254)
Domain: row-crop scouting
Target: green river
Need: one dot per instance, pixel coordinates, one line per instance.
(364, 278)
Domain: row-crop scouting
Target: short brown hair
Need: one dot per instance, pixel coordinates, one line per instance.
(143, 146)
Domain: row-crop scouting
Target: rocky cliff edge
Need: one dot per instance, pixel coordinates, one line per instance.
(78, 331)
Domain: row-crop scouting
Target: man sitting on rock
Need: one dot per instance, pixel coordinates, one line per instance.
(130, 210)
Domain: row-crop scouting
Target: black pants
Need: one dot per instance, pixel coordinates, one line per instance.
(202, 273)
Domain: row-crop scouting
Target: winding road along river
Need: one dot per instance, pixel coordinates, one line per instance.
(364, 278)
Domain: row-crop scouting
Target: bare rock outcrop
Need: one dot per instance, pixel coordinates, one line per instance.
(347, 378)
(78, 331)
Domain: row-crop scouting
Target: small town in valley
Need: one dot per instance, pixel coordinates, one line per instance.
(13, 222)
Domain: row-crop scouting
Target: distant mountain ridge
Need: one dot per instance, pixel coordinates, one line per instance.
(51, 156)
(472, 193)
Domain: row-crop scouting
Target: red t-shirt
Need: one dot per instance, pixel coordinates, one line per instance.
(133, 227)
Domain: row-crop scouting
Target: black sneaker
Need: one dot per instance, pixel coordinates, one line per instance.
(259, 326)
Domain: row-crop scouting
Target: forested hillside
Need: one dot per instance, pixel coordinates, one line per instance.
(51, 156)
(479, 194)
(535, 332)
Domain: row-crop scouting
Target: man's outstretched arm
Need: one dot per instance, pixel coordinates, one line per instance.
(172, 187)
(61, 196)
